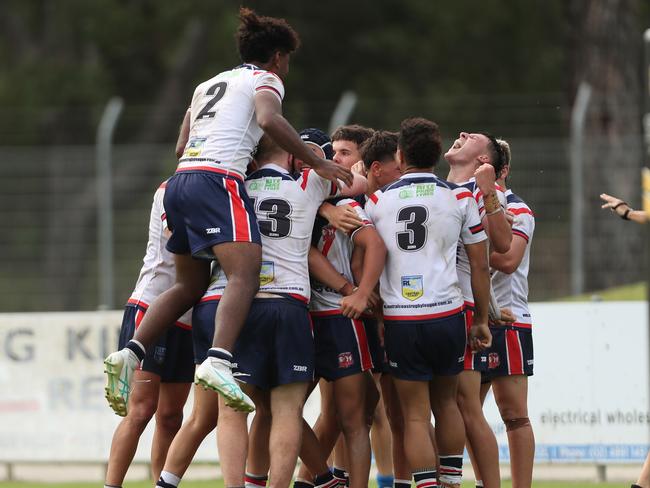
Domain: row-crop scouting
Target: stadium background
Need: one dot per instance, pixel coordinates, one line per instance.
(511, 67)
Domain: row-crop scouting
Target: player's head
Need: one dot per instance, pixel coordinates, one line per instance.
(347, 141)
(318, 141)
(379, 159)
(267, 41)
(419, 143)
(268, 151)
(507, 156)
(476, 148)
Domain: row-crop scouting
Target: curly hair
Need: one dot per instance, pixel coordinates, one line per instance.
(381, 146)
(420, 142)
(259, 37)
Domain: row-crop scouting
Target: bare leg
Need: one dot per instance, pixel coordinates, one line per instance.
(380, 436)
(511, 396)
(350, 399)
(644, 477)
(241, 263)
(401, 469)
(258, 461)
(286, 431)
(142, 406)
(201, 422)
(482, 443)
(169, 417)
(192, 278)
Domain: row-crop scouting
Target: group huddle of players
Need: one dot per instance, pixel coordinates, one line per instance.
(280, 262)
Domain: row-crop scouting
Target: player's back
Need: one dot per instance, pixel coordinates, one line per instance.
(285, 208)
(420, 219)
(223, 128)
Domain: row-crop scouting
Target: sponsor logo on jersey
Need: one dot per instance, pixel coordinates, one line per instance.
(266, 184)
(392, 364)
(419, 190)
(194, 147)
(493, 360)
(267, 273)
(412, 287)
(299, 368)
(346, 359)
(213, 230)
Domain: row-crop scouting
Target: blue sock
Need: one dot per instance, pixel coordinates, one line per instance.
(385, 480)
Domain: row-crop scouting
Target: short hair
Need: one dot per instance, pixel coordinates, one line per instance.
(266, 148)
(496, 153)
(420, 142)
(355, 133)
(258, 37)
(381, 146)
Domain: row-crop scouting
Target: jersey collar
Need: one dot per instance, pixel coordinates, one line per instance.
(247, 66)
(417, 175)
(276, 167)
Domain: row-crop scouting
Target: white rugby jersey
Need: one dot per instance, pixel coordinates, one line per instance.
(223, 128)
(421, 218)
(512, 290)
(462, 263)
(337, 247)
(158, 272)
(285, 208)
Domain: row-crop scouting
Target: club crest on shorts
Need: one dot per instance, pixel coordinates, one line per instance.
(412, 287)
(159, 354)
(267, 273)
(493, 360)
(345, 360)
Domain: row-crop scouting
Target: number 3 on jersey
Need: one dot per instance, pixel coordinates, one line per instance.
(414, 235)
(277, 224)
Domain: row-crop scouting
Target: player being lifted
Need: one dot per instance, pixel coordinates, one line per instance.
(208, 210)
(421, 218)
(475, 159)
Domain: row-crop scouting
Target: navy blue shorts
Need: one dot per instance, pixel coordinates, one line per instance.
(377, 351)
(171, 357)
(474, 361)
(205, 209)
(275, 347)
(418, 351)
(511, 352)
(341, 346)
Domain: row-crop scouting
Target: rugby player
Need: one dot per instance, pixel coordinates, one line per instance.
(510, 358)
(275, 352)
(163, 382)
(474, 160)
(421, 218)
(208, 210)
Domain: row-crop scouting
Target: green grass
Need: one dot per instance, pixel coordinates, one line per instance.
(219, 484)
(633, 292)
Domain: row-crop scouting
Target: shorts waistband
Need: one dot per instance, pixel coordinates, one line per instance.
(209, 166)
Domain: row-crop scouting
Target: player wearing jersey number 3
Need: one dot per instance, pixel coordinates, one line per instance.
(208, 210)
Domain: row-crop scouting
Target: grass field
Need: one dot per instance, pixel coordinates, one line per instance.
(635, 291)
(219, 484)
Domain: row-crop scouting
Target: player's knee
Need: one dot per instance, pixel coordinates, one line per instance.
(170, 420)
(141, 412)
(516, 423)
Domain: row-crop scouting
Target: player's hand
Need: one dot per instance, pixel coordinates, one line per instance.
(344, 218)
(480, 337)
(485, 178)
(373, 300)
(616, 205)
(359, 168)
(354, 305)
(334, 172)
(507, 317)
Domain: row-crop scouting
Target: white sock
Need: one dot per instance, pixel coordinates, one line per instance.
(168, 480)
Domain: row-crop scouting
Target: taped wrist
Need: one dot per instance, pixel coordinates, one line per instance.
(491, 203)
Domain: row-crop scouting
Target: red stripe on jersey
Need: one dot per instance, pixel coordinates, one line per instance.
(163, 185)
(475, 229)
(478, 196)
(518, 211)
(427, 484)
(241, 224)
(267, 87)
(163, 216)
(362, 344)
(522, 325)
(328, 240)
(499, 188)
(465, 194)
(211, 298)
(514, 353)
(254, 481)
(469, 354)
(198, 167)
(133, 301)
(139, 315)
(374, 198)
(182, 325)
(424, 317)
(305, 177)
(334, 190)
(354, 203)
(520, 234)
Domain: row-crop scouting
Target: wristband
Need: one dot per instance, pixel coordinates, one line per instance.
(491, 203)
(619, 204)
(626, 215)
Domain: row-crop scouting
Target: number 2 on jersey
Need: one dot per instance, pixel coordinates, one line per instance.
(218, 90)
(414, 235)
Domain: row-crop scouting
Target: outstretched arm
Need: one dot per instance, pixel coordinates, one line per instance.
(622, 209)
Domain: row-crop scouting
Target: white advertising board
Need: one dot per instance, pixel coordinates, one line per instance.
(588, 399)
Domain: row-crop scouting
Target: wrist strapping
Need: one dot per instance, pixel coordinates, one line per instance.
(626, 214)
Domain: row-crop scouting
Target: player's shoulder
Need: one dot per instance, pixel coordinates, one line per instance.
(516, 204)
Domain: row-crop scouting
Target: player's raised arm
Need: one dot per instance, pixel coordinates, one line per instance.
(268, 112)
(495, 222)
